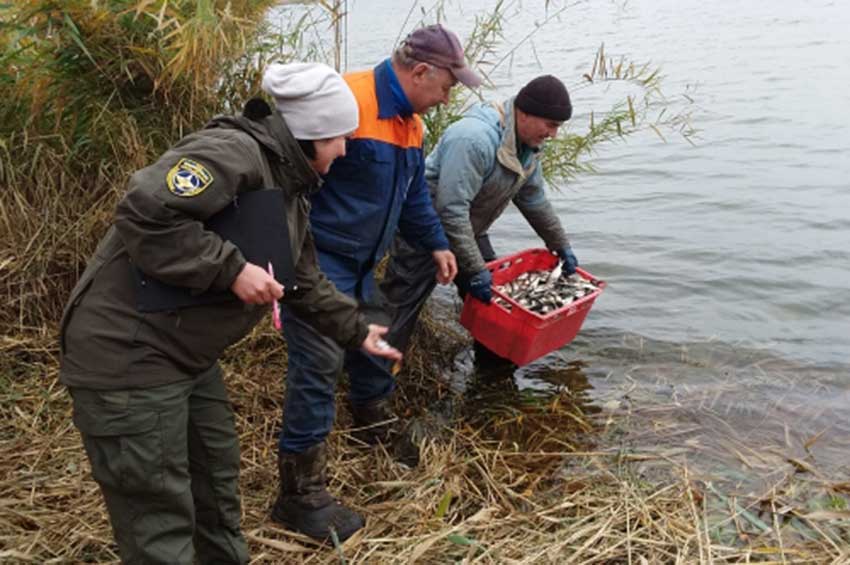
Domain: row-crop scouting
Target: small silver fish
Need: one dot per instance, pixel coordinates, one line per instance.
(543, 292)
(556, 272)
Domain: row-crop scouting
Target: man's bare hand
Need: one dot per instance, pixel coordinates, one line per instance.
(255, 285)
(446, 266)
(375, 344)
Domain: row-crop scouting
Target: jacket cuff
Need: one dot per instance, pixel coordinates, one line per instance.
(558, 245)
(471, 267)
(437, 242)
(229, 271)
(356, 342)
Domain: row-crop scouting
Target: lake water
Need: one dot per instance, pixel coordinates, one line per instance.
(728, 262)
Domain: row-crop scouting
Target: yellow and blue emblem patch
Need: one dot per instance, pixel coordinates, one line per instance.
(188, 178)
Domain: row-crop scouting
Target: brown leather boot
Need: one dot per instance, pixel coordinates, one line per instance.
(376, 423)
(304, 504)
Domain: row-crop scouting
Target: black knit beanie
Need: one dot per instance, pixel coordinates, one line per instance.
(545, 97)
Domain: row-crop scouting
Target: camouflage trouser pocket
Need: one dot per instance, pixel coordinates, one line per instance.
(124, 443)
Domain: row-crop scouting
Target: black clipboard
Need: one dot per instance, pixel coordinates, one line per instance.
(255, 222)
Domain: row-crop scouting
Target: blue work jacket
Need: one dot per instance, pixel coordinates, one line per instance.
(376, 189)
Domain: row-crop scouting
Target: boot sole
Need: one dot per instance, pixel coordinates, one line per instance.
(321, 537)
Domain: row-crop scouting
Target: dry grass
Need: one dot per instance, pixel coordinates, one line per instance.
(522, 482)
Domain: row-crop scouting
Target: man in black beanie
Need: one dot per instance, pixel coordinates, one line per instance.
(482, 162)
(546, 97)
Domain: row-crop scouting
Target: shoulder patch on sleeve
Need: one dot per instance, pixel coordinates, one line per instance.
(188, 178)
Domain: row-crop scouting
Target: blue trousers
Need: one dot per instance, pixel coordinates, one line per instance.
(315, 363)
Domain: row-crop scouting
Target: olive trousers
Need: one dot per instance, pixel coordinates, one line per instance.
(167, 462)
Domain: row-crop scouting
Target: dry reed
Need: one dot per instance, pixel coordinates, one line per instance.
(522, 482)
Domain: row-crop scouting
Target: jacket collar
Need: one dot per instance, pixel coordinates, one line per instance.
(272, 133)
(508, 152)
(392, 101)
(292, 155)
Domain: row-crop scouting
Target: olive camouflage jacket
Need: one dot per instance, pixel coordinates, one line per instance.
(107, 343)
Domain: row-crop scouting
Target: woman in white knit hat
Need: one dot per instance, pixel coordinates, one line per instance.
(165, 294)
(317, 105)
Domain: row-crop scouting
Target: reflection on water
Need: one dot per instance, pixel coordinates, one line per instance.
(761, 442)
(728, 414)
(557, 419)
(757, 420)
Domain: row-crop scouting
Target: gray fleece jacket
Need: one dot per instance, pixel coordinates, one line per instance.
(475, 171)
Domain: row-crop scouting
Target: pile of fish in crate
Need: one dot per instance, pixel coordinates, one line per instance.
(534, 310)
(542, 292)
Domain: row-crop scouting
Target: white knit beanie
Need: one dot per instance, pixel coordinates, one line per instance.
(313, 99)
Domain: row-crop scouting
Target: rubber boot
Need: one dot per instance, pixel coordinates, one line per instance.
(491, 365)
(376, 423)
(304, 504)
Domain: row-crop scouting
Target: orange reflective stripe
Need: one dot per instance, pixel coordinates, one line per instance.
(397, 131)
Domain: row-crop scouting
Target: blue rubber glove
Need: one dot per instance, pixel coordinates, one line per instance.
(569, 258)
(479, 286)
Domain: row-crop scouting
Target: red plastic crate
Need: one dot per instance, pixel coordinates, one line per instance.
(520, 334)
